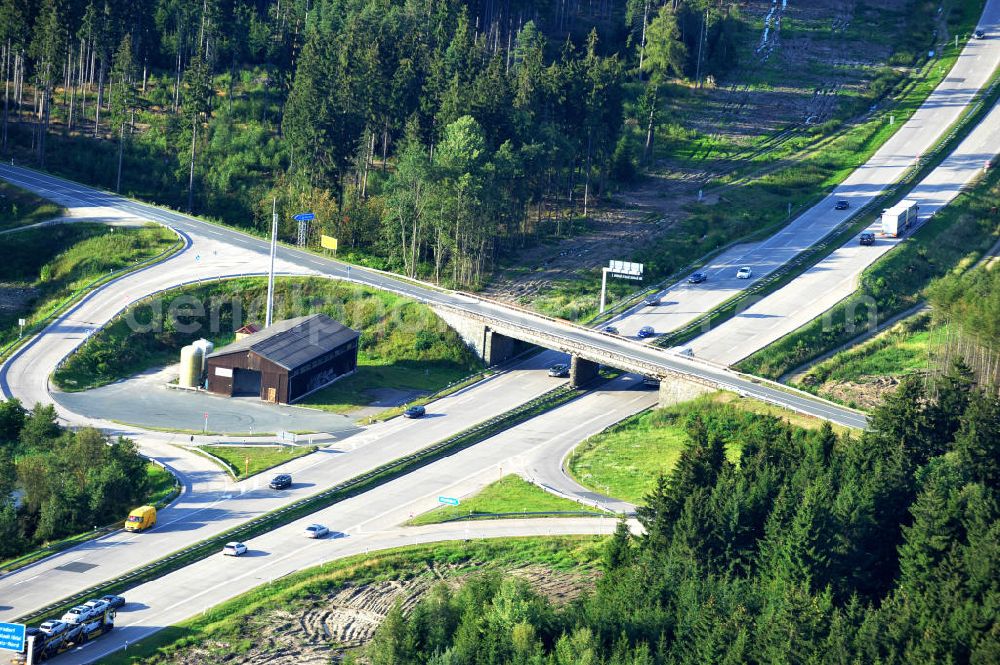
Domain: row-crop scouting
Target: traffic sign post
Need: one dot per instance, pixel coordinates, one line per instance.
(12, 637)
(622, 270)
(447, 500)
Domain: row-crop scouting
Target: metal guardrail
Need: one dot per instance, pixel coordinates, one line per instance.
(312, 503)
(531, 513)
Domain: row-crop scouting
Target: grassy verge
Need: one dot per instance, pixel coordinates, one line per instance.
(861, 375)
(245, 461)
(355, 391)
(309, 505)
(53, 265)
(395, 333)
(227, 623)
(625, 460)
(19, 207)
(511, 496)
(163, 488)
(953, 240)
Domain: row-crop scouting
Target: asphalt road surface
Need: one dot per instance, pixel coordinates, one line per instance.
(218, 506)
(836, 277)
(370, 521)
(683, 302)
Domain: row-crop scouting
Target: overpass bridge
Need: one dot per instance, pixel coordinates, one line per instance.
(489, 326)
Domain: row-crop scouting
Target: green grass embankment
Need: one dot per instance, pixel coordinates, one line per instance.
(245, 461)
(403, 344)
(511, 496)
(625, 460)
(48, 265)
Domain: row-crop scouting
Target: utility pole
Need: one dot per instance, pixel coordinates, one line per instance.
(270, 273)
(701, 41)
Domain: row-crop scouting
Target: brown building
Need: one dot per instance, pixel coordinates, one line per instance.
(285, 362)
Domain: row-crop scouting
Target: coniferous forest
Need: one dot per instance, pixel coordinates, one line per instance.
(426, 135)
(814, 548)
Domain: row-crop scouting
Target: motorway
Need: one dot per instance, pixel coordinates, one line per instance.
(836, 277)
(211, 504)
(682, 302)
(26, 373)
(217, 507)
(366, 522)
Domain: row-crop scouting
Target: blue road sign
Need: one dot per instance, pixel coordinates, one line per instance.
(448, 500)
(12, 636)
(304, 217)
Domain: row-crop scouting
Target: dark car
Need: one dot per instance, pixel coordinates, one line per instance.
(280, 481)
(979, 34)
(842, 205)
(414, 412)
(559, 371)
(651, 301)
(611, 330)
(697, 278)
(645, 331)
(114, 602)
(866, 238)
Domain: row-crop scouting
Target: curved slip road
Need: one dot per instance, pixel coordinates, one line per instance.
(372, 521)
(24, 371)
(683, 302)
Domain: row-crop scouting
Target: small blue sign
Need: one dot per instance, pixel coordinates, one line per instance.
(12, 637)
(448, 500)
(304, 217)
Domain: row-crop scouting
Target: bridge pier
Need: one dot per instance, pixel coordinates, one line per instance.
(582, 372)
(496, 347)
(674, 390)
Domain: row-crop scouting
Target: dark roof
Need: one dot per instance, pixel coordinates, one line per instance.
(248, 329)
(294, 342)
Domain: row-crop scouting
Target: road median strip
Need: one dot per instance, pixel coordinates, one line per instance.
(298, 509)
(981, 105)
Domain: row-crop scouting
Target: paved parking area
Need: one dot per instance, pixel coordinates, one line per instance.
(144, 402)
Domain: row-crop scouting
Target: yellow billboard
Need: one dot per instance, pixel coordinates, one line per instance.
(326, 242)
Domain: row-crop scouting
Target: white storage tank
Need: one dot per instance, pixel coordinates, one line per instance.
(192, 359)
(206, 348)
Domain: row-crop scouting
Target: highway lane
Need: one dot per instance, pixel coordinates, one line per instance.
(292, 259)
(371, 521)
(217, 508)
(135, 623)
(836, 277)
(683, 302)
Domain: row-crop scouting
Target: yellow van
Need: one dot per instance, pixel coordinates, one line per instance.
(140, 519)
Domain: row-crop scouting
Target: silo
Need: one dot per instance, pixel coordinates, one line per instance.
(206, 348)
(191, 361)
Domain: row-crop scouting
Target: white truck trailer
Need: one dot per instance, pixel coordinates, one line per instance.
(898, 219)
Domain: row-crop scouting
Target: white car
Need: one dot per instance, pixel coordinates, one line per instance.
(744, 272)
(234, 549)
(316, 531)
(97, 606)
(78, 614)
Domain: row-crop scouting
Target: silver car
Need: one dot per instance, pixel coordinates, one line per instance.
(316, 531)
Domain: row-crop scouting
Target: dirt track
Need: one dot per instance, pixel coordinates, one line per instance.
(325, 627)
